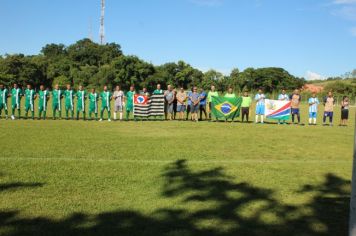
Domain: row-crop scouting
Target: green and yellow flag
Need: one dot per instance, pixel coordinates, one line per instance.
(226, 108)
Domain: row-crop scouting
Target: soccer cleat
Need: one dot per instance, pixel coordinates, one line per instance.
(109, 120)
(101, 120)
(12, 117)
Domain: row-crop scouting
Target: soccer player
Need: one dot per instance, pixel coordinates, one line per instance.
(30, 96)
(195, 99)
(69, 97)
(119, 100)
(106, 97)
(169, 97)
(16, 94)
(283, 97)
(57, 96)
(295, 102)
(260, 105)
(202, 104)
(212, 93)
(181, 98)
(245, 106)
(345, 104)
(81, 96)
(329, 102)
(157, 91)
(230, 93)
(144, 92)
(43, 96)
(129, 100)
(313, 108)
(4, 94)
(93, 104)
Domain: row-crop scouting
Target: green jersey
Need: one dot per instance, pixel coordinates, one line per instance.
(81, 96)
(230, 95)
(16, 97)
(212, 94)
(69, 95)
(93, 101)
(4, 93)
(157, 92)
(29, 97)
(105, 98)
(57, 96)
(42, 99)
(246, 101)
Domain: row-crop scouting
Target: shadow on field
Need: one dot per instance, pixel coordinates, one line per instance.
(18, 185)
(211, 203)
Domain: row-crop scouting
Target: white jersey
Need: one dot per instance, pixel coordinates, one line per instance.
(283, 97)
(260, 98)
(314, 107)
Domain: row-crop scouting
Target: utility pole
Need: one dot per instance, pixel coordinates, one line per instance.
(352, 220)
(102, 29)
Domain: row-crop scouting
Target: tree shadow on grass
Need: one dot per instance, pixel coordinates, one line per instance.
(18, 185)
(210, 203)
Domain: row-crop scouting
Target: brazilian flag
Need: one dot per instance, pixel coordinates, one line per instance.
(226, 108)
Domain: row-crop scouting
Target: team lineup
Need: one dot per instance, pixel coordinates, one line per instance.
(176, 104)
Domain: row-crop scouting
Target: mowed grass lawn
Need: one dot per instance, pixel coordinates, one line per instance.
(174, 178)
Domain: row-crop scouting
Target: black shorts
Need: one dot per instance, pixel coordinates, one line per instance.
(344, 114)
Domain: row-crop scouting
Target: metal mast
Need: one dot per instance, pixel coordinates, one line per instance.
(102, 29)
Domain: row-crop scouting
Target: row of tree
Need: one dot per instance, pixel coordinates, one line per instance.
(93, 65)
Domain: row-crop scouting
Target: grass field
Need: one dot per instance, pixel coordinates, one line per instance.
(174, 178)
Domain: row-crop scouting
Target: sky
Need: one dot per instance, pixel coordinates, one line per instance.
(314, 39)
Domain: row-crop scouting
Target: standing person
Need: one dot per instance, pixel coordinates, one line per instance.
(119, 100)
(195, 99)
(295, 102)
(69, 104)
(129, 101)
(313, 108)
(93, 104)
(57, 95)
(181, 98)
(158, 91)
(245, 106)
(283, 97)
(329, 102)
(260, 105)
(175, 104)
(43, 96)
(4, 94)
(230, 93)
(202, 104)
(169, 98)
(16, 94)
(189, 104)
(81, 97)
(144, 92)
(212, 93)
(30, 96)
(106, 97)
(345, 104)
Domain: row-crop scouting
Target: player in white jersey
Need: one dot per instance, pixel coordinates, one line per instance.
(260, 105)
(313, 109)
(119, 102)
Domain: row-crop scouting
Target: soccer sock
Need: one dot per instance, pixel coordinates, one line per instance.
(298, 116)
(310, 120)
(293, 118)
(101, 114)
(54, 114)
(114, 115)
(44, 115)
(120, 115)
(314, 120)
(13, 111)
(256, 118)
(324, 118)
(6, 113)
(59, 114)
(72, 112)
(96, 116)
(33, 115)
(109, 115)
(261, 118)
(19, 113)
(331, 119)
(26, 114)
(83, 115)
(66, 114)
(77, 115)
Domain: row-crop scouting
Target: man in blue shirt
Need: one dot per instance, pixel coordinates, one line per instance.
(260, 105)
(202, 103)
(313, 109)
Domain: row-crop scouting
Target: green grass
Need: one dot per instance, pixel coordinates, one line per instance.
(174, 178)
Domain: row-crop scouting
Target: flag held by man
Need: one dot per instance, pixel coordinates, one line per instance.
(226, 108)
(141, 105)
(277, 110)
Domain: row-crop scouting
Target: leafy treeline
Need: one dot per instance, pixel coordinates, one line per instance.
(93, 65)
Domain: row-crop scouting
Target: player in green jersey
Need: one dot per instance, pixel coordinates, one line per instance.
(129, 101)
(30, 97)
(81, 96)
(93, 103)
(57, 96)
(106, 97)
(69, 104)
(16, 94)
(4, 94)
(43, 96)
